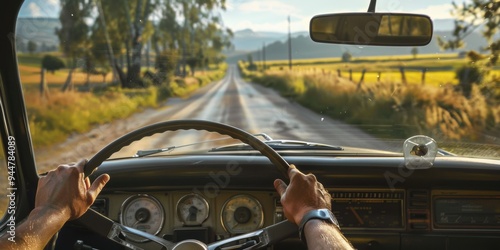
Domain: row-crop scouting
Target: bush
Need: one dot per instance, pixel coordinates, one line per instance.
(252, 67)
(165, 65)
(346, 57)
(52, 63)
(467, 76)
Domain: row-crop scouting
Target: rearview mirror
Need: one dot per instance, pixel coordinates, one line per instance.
(387, 29)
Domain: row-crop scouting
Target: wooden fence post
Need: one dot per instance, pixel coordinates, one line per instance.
(403, 75)
(424, 70)
(68, 85)
(339, 73)
(358, 88)
(350, 74)
(44, 89)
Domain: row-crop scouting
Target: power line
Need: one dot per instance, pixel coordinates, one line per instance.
(289, 45)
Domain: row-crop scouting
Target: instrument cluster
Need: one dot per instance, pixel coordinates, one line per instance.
(176, 214)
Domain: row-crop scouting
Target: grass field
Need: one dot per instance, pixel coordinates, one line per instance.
(440, 68)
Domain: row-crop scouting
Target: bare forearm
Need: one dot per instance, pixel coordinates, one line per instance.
(36, 231)
(321, 235)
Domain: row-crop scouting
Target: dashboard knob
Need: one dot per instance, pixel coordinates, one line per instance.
(142, 215)
(373, 245)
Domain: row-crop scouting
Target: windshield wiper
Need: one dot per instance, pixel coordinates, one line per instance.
(281, 145)
(142, 153)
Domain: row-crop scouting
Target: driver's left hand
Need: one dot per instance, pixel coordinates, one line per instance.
(67, 191)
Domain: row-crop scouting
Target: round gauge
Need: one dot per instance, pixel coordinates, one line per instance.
(242, 214)
(192, 209)
(142, 212)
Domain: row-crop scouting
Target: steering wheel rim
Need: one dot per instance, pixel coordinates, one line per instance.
(175, 125)
(91, 219)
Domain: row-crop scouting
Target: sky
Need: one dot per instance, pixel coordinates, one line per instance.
(271, 15)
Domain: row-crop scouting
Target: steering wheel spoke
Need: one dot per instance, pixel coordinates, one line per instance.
(263, 238)
(114, 231)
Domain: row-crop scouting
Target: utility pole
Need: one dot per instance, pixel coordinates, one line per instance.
(289, 45)
(264, 55)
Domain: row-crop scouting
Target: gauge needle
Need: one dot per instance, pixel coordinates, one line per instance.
(357, 216)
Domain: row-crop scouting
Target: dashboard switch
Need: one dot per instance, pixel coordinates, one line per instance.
(278, 211)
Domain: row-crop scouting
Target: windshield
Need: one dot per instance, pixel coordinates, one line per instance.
(95, 70)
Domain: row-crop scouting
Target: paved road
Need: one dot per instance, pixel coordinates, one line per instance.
(232, 101)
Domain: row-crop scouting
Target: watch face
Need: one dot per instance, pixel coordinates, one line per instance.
(324, 213)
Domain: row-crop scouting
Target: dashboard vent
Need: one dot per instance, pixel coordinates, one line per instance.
(101, 206)
(418, 210)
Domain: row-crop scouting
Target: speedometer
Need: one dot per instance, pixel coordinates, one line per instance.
(192, 209)
(242, 214)
(142, 212)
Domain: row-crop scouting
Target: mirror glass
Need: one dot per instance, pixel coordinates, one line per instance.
(389, 29)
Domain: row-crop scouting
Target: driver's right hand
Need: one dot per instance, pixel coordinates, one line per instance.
(303, 194)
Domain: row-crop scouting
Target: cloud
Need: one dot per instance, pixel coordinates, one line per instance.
(264, 15)
(297, 24)
(53, 2)
(35, 10)
(266, 6)
(441, 11)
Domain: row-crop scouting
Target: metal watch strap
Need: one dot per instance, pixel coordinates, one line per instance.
(320, 214)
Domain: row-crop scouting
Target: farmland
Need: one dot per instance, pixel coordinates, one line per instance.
(386, 106)
(440, 68)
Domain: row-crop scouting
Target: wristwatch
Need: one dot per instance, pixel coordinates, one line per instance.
(319, 214)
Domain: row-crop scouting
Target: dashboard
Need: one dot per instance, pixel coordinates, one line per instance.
(454, 205)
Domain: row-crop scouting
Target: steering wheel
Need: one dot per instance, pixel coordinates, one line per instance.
(112, 230)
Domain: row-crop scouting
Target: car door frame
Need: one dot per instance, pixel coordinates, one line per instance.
(14, 121)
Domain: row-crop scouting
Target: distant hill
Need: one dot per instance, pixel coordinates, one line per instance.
(249, 40)
(303, 47)
(39, 30)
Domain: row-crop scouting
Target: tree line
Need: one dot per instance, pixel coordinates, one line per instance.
(121, 35)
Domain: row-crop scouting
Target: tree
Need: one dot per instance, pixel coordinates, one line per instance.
(471, 16)
(414, 52)
(32, 47)
(193, 62)
(52, 63)
(190, 29)
(73, 33)
(251, 64)
(346, 57)
(195, 30)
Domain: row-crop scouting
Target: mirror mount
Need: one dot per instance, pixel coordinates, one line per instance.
(373, 4)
